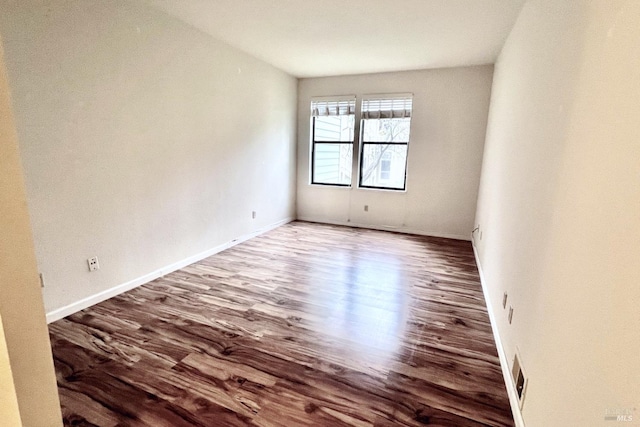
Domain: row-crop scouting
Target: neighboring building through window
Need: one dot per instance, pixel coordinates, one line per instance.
(385, 167)
(386, 123)
(333, 123)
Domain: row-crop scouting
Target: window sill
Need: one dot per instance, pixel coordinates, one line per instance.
(386, 190)
(334, 186)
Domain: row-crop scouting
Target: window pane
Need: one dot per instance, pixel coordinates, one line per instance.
(334, 128)
(386, 130)
(384, 166)
(332, 163)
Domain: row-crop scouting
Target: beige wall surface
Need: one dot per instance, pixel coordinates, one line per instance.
(23, 329)
(144, 141)
(9, 411)
(450, 108)
(559, 208)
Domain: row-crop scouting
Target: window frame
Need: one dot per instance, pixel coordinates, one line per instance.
(312, 168)
(405, 114)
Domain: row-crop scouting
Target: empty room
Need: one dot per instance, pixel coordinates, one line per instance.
(336, 213)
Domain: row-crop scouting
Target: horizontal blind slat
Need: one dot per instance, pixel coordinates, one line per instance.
(387, 108)
(333, 107)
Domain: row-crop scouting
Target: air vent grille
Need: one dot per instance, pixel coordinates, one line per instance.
(519, 378)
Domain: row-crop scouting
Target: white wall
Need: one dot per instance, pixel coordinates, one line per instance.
(559, 207)
(450, 108)
(144, 141)
(27, 376)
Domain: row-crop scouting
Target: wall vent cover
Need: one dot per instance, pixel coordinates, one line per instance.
(520, 379)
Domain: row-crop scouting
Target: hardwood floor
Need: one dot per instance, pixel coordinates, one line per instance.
(307, 325)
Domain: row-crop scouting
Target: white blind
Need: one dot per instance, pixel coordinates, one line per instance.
(333, 107)
(387, 106)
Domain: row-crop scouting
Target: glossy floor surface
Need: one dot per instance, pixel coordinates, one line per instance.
(307, 325)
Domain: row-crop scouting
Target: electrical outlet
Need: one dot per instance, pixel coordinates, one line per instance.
(504, 300)
(253, 214)
(510, 314)
(366, 208)
(93, 263)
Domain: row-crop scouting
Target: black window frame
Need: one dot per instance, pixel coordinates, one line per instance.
(363, 144)
(314, 142)
(387, 110)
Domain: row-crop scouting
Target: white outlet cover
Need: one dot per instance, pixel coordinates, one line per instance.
(93, 263)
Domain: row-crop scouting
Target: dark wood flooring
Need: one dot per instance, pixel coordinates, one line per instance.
(307, 325)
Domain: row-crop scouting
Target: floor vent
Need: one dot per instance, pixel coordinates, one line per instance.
(519, 378)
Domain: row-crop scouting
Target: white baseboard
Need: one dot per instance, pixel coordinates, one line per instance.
(504, 363)
(405, 230)
(59, 313)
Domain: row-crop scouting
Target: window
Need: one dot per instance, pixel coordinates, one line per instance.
(385, 127)
(385, 130)
(333, 123)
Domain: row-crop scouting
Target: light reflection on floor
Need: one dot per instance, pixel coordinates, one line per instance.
(368, 300)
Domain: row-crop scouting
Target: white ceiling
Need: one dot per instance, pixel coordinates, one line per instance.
(312, 38)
